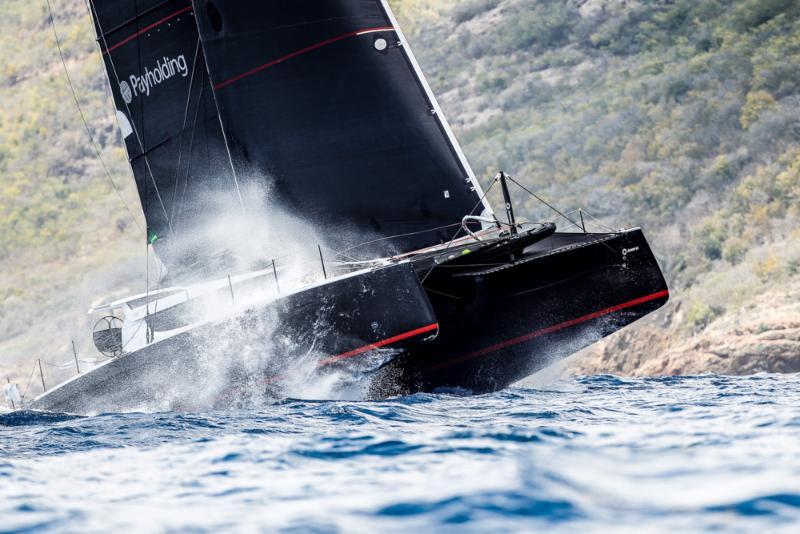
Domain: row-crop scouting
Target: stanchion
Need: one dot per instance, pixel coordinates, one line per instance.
(41, 374)
(13, 406)
(75, 355)
(275, 272)
(322, 261)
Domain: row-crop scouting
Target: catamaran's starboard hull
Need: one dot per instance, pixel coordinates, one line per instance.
(501, 323)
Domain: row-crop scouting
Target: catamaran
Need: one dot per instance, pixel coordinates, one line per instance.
(318, 109)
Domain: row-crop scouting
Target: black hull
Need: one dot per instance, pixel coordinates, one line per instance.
(500, 324)
(235, 362)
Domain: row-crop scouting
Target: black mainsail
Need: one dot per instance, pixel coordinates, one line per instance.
(318, 102)
(323, 100)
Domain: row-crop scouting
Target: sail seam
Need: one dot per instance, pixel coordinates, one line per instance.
(148, 28)
(300, 53)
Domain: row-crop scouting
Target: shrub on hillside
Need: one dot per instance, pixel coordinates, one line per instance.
(757, 103)
(466, 11)
(753, 13)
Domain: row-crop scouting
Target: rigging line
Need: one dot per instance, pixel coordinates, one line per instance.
(450, 244)
(83, 117)
(183, 128)
(147, 282)
(600, 223)
(158, 285)
(227, 146)
(346, 250)
(606, 245)
(144, 154)
(228, 151)
(191, 148)
(96, 17)
(30, 379)
(67, 364)
(540, 199)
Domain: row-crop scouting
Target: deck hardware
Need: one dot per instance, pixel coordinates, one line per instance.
(512, 222)
(13, 406)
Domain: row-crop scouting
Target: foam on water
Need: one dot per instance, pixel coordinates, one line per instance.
(593, 454)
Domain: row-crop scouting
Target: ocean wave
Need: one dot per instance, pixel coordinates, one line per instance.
(585, 454)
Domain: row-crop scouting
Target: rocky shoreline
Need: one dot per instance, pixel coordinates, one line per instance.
(762, 336)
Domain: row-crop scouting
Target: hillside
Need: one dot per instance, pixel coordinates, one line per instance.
(682, 116)
(66, 238)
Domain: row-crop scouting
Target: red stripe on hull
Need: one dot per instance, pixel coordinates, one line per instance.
(550, 329)
(379, 344)
(148, 28)
(299, 53)
(347, 355)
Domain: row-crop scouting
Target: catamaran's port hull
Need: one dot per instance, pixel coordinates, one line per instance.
(218, 364)
(501, 323)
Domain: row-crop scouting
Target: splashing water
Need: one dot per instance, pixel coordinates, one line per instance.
(236, 340)
(585, 454)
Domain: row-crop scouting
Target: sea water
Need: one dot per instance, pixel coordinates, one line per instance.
(584, 454)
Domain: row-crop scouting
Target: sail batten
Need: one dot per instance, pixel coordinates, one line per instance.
(300, 52)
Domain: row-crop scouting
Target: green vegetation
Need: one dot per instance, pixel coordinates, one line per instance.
(682, 116)
(62, 226)
(55, 198)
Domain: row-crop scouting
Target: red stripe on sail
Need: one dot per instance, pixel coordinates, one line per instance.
(300, 53)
